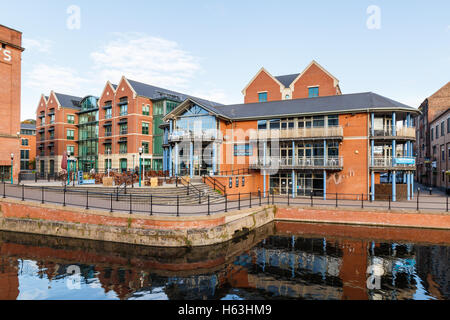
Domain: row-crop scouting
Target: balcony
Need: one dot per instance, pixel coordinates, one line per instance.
(402, 133)
(192, 136)
(300, 134)
(331, 163)
(400, 163)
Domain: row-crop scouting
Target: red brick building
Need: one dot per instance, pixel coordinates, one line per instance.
(27, 146)
(10, 88)
(314, 81)
(56, 130)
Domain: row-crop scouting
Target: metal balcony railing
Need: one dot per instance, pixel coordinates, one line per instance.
(401, 132)
(302, 133)
(388, 162)
(289, 163)
(184, 135)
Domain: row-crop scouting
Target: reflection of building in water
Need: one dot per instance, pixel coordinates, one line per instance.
(433, 267)
(9, 281)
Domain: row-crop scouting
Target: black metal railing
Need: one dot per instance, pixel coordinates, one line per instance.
(215, 184)
(179, 204)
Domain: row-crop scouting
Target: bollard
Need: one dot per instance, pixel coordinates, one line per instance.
(199, 198)
(259, 195)
(250, 200)
(273, 197)
(42, 195)
(23, 194)
(389, 202)
(35, 177)
(178, 205)
(111, 203)
(87, 200)
(4, 189)
(431, 189)
(336, 200)
(312, 199)
(418, 193)
(447, 202)
(117, 194)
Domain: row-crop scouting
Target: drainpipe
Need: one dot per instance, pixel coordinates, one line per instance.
(394, 149)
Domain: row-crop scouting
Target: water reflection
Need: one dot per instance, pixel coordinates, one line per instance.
(270, 263)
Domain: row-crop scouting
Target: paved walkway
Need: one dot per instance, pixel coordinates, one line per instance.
(436, 203)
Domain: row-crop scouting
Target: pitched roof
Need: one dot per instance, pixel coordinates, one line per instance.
(287, 79)
(358, 102)
(67, 101)
(154, 93)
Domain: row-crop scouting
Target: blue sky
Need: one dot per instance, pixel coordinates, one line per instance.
(213, 48)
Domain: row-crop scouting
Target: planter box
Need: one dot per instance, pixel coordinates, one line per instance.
(108, 182)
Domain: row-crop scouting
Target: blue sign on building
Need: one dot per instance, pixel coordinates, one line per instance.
(405, 161)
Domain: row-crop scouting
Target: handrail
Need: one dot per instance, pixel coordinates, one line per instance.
(233, 172)
(216, 184)
(189, 185)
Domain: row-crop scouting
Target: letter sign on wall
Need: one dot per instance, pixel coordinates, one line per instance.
(5, 55)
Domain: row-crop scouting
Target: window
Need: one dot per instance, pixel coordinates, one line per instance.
(25, 142)
(145, 128)
(262, 97)
(230, 183)
(108, 113)
(448, 125)
(237, 182)
(313, 92)
(333, 121)
(145, 146)
(24, 159)
(124, 110)
(146, 110)
(262, 125)
(70, 134)
(319, 122)
(243, 181)
(124, 129)
(243, 150)
(275, 124)
(71, 150)
(70, 119)
(108, 131)
(442, 129)
(108, 148)
(287, 124)
(437, 131)
(123, 148)
(432, 134)
(434, 149)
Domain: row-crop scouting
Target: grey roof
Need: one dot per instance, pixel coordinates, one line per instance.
(28, 126)
(154, 93)
(287, 79)
(358, 102)
(67, 101)
(114, 86)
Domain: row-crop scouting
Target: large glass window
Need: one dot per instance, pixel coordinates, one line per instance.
(108, 113)
(25, 142)
(196, 118)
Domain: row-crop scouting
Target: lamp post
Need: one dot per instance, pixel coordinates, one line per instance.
(108, 152)
(12, 168)
(68, 168)
(140, 165)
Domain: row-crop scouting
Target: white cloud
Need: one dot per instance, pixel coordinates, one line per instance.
(45, 78)
(145, 58)
(41, 45)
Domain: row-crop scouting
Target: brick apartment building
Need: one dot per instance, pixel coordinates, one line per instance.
(432, 107)
(56, 126)
(10, 87)
(27, 146)
(129, 118)
(107, 131)
(440, 150)
(297, 134)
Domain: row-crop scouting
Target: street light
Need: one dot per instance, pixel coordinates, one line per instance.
(12, 168)
(68, 168)
(140, 165)
(108, 152)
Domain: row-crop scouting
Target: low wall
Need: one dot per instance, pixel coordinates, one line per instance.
(159, 231)
(191, 231)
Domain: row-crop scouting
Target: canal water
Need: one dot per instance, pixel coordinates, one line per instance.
(275, 262)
